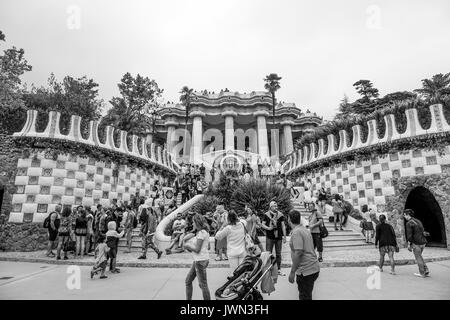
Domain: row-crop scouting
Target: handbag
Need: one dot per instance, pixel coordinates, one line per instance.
(249, 244)
(323, 230)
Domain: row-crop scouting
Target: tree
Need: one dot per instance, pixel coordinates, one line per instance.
(436, 89)
(368, 103)
(12, 108)
(272, 84)
(398, 97)
(185, 99)
(345, 109)
(131, 111)
(72, 96)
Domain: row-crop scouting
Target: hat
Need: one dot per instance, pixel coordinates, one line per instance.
(272, 203)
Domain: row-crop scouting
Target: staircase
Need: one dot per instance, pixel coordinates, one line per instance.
(136, 241)
(346, 239)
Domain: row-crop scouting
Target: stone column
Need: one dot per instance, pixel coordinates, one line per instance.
(229, 129)
(263, 146)
(287, 134)
(171, 126)
(197, 137)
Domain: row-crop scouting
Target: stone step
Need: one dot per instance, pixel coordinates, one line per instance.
(342, 244)
(342, 238)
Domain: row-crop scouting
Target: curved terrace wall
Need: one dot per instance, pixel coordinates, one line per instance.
(375, 172)
(69, 169)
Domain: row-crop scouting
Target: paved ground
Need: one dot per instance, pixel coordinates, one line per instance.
(44, 281)
(342, 258)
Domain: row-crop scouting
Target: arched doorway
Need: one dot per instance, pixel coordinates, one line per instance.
(428, 211)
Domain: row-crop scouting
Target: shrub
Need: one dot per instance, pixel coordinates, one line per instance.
(208, 203)
(257, 194)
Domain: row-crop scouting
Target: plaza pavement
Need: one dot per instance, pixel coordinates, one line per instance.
(350, 257)
(21, 280)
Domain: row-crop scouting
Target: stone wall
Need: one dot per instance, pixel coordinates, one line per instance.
(438, 185)
(43, 182)
(22, 237)
(8, 168)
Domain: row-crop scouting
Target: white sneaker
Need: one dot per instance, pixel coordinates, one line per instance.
(419, 275)
(281, 273)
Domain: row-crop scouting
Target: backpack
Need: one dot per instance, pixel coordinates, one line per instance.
(47, 220)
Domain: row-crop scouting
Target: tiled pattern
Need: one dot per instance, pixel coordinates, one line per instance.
(370, 181)
(43, 183)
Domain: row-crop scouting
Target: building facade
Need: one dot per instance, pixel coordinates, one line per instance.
(232, 122)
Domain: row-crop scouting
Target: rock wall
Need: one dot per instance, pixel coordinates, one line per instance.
(22, 237)
(8, 168)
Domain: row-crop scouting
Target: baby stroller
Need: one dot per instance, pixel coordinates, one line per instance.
(243, 284)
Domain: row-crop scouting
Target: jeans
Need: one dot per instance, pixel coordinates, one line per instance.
(147, 241)
(306, 285)
(278, 243)
(198, 270)
(80, 241)
(417, 250)
(235, 262)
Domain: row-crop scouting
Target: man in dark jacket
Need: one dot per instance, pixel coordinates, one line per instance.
(415, 235)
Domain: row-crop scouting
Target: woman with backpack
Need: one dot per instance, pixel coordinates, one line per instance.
(64, 232)
(81, 226)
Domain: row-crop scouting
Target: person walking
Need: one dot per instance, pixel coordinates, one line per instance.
(52, 227)
(234, 232)
(274, 224)
(415, 235)
(305, 266)
(198, 244)
(148, 228)
(322, 198)
(81, 225)
(315, 220)
(386, 241)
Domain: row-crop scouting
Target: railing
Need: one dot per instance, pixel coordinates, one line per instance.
(156, 155)
(306, 155)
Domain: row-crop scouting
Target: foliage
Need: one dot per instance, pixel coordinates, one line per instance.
(12, 108)
(207, 204)
(72, 96)
(54, 147)
(131, 112)
(368, 102)
(436, 89)
(223, 188)
(272, 84)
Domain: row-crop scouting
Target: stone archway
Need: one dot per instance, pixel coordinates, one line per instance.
(428, 211)
(435, 189)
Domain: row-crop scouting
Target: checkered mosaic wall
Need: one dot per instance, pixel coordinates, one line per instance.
(369, 182)
(42, 183)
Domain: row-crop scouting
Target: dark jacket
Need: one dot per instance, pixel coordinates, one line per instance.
(385, 235)
(414, 232)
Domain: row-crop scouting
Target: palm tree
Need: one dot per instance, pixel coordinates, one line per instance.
(185, 99)
(436, 89)
(272, 84)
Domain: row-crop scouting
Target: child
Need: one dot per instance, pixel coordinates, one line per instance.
(101, 258)
(112, 240)
(178, 229)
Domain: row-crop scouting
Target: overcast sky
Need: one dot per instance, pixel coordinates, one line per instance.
(320, 48)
